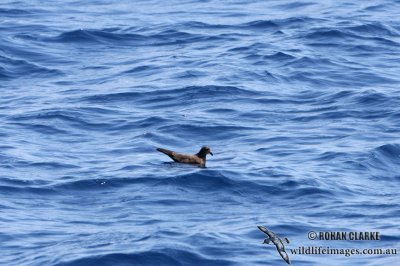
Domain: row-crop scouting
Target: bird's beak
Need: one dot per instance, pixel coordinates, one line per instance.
(211, 153)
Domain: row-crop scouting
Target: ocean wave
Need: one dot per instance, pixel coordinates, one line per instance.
(336, 36)
(121, 37)
(95, 36)
(384, 160)
(279, 56)
(373, 98)
(294, 5)
(259, 24)
(13, 12)
(374, 29)
(273, 24)
(16, 68)
(189, 94)
(26, 190)
(251, 25)
(166, 256)
(63, 121)
(24, 186)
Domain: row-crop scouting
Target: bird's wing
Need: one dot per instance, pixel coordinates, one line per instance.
(173, 155)
(280, 247)
(283, 254)
(181, 158)
(185, 158)
(165, 151)
(266, 231)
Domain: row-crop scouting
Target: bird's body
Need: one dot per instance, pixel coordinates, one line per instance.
(196, 159)
(277, 241)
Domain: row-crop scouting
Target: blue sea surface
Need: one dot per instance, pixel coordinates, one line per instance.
(298, 100)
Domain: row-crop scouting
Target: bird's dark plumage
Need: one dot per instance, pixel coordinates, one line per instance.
(277, 241)
(197, 159)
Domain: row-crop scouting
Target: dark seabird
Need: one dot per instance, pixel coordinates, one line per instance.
(197, 159)
(277, 241)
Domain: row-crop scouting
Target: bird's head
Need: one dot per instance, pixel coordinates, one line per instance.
(267, 241)
(204, 151)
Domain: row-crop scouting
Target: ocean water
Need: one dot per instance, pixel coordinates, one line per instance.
(298, 100)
